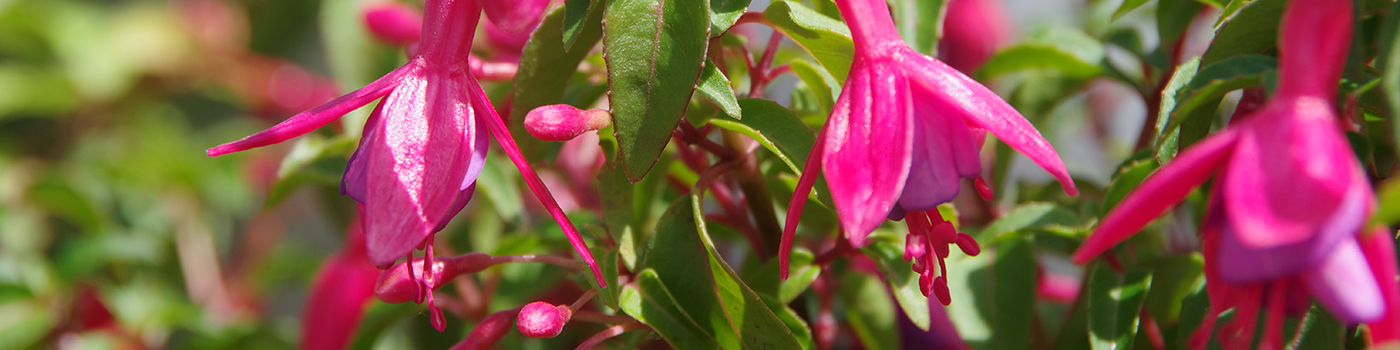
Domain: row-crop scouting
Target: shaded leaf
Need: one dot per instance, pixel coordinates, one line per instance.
(1066, 50)
(1031, 216)
(654, 51)
(724, 13)
(824, 87)
(1013, 284)
(651, 302)
(920, 23)
(886, 249)
(1253, 31)
(577, 18)
(1127, 6)
(827, 39)
(801, 273)
(869, 311)
(1115, 306)
(1128, 177)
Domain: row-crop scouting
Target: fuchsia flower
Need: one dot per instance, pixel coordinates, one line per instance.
(423, 145)
(393, 22)
(901, 138)
(514, 16)
(543, 320)
(973, 31)
(1289, 199)
(339, 295)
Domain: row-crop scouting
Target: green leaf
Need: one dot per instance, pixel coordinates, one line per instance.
(793, 321)
(824, 87)
(764, 279)
(545, 70)
(1230, 10)
(1032, 216)
(1388, 208)
(1195, 104)
(1172, 280)
(1173, 18)
(869, 311)
(608, 258)
(921, 23)
(1127, 6)
(886, 249)
(1013, 279)
(1128, 177)
(1388, 62)
(1115, 306)
(313, 159)
(1066, 50)
(724, 13)
(654, 51)
(496, 183)
(619, 214)
(715, 86)
(827, 39)
(1194, 309)
(776, 128)
(1177, 85)
(651, 302)
(1320, 331)
(578, 15)
(1253, 31)
(719, 301)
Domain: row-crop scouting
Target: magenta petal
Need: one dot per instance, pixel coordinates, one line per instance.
(1379, 247)
(338, 297)
(943, 154)
(514, 16)
(309, 120)
(984, 109)
(353, 182)
(810, 171)
(1290, 173)
(415, 170)
(1257, 264)
(869, 137)
(1158, 193)
(1343, 284)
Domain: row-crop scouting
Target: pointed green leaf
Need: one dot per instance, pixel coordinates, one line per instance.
(651, 302)
(715, 86)
(654, 51)
(1029, 217)
(1066, 50)
(827, 39)
(921, 23)
(1253, 31)
(824, 87)
(1320, 331)
(1127, 6)
(1128, 177)
(578, 14)
(724, 13)
(764, 279)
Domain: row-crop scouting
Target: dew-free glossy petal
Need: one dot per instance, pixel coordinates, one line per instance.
(1343, 284)
(984, 109)
(868, 142)
(314, 118)
(514, 16)
(423, 150)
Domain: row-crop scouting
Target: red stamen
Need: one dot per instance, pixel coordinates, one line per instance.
(968, 245)
(1273, 324)
(983, 190)
(940, 289)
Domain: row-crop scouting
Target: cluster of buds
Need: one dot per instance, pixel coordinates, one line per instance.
(928, 231)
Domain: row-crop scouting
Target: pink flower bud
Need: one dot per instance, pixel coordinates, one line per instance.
(968, 245)
(490, 331)
(542, 320)
(394, 22)
(564, 122)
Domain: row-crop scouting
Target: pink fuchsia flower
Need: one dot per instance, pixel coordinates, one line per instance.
(342, 288)
(393, 22)
(1290, 195)
(973, 30)
(424, 144)
(514, 16)
(901, 135)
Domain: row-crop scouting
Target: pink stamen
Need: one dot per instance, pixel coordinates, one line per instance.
(983, 190)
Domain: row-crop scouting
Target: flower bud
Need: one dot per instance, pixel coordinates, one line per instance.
(968, 244)
(394, 22)
(564, 122)
(542, 320)
(940, 289)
